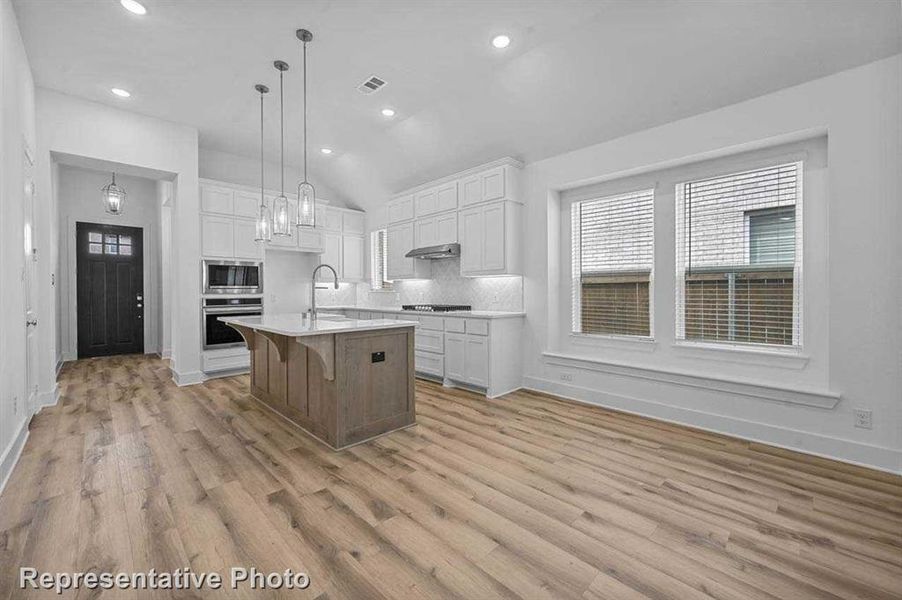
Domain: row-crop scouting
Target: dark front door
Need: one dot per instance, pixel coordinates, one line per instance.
(110, 271)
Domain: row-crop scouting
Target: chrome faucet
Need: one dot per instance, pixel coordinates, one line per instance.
(313, 289)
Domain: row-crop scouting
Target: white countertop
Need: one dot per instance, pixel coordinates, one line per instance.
(291, 324)
(462, 314)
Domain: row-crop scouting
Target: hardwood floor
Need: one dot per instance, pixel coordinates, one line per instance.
(524, 496)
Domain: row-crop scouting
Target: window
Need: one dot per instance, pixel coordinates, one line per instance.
(379, 260)
(612, 263)
(739, 257)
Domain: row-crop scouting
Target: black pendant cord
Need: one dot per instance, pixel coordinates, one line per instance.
(305, 112)
(262, 193)
(282, 131)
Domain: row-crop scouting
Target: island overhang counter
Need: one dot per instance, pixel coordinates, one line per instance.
(343, 381)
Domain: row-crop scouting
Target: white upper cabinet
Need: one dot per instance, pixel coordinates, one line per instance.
(439, 229)
(328, 218)
(400, 209)
(437, 199)
(331, 255)
(496, 183)
(217, 236)
(490, 239)
(400, 242)
(246, 204)
(446, 196)
(215, 199)
(245, 246)
(352, 261)
(353, 222)
(425, 202)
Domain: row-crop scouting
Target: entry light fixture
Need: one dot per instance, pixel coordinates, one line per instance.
(501, 41)
(326, 150)
(306, 192)
(281, 224)
(113, 197)
(120, 92)
(133, 6)
(263, 228)
(388, 112)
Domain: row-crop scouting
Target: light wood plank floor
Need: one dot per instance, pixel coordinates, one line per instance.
(525, 496)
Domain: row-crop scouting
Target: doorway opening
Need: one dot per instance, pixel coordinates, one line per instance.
(109, 289)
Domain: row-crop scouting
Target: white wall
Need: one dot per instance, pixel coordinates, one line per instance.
(79, 200)
(16, 133)
(286, 279)
(859, 350)
(75, 127)
(164, 199)
(241, 170)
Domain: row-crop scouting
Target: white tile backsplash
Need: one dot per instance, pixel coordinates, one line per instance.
(445, 287)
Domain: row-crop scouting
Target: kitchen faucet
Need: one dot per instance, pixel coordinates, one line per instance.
(313, 289)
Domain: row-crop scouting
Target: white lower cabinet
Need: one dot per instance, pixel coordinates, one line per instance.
(467, 359)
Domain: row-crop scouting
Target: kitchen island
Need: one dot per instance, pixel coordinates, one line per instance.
(341, 380)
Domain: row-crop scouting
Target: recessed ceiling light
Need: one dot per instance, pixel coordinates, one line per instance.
(388, 112)
(120, 92)
(501, 41)
(133, 6)
(326, 150)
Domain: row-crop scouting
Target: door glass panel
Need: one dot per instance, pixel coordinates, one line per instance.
(95, 248)
(112, 239)
(125, 239)
(111, 249)
(125, 250)
(95, 237)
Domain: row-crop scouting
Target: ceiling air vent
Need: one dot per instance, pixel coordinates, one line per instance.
(371, 85)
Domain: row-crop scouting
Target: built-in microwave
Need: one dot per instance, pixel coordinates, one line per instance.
(233, 277)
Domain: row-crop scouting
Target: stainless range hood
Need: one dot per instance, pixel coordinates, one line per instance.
(433, 252)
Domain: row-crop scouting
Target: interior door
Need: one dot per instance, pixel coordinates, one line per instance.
(110, 289)
(30, 288)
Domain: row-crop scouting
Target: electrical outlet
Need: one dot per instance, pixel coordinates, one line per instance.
(863, 418)
(566, 377)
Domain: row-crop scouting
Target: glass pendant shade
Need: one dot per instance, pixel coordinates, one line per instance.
(113, 197)
(281, 220)
(264, 225)
(306, 205)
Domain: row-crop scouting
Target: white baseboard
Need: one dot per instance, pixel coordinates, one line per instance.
(59, 364)
(48, 398)
(12, 453)
(166, 353)
(857, 453)
(189, 378)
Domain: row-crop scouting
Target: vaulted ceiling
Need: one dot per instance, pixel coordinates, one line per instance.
(577, 72)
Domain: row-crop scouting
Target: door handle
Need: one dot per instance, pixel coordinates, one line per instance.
(31, 322)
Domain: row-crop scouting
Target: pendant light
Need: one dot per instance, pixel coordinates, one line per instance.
(264, 216)
(306, 193)
(113, 197)
(281, 222)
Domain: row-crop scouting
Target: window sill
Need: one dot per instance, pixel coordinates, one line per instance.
(642, 344)
(382, 291)
(787, 359)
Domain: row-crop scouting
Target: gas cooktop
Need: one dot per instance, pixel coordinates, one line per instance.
(436, 307)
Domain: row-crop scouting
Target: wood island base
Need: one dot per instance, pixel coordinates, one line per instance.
(341, 388)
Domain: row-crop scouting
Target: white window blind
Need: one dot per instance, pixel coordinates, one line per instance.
(612, 264)
(739, 257)
(379, 260)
